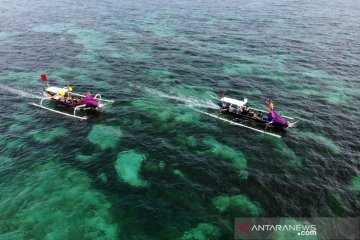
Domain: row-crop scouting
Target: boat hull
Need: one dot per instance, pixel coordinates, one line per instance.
(253, 115)
(67, 104)
(74, 100)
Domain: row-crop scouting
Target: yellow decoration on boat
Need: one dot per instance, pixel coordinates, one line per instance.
(70, 89)
(62, 93)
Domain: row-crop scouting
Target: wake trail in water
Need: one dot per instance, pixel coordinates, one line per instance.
(195, 103)
(18, 92)
(192, 102)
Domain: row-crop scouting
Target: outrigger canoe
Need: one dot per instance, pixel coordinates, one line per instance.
(65, 97)
(240, 109)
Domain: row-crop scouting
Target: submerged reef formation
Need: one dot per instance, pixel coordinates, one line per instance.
(238, 205)
(54, 201)
(50, 135)
(128, 165)
(105, 136)
(204, 231)
(228, 153)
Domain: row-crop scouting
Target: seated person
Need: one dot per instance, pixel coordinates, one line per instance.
(267, 117)
(254, 115)
(224, 107)
(251, 113)
(58, 97)
(239, 110)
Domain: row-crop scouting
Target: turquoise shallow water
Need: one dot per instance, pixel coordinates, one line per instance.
(150, 167)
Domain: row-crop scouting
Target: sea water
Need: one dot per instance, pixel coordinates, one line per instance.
(149, 166)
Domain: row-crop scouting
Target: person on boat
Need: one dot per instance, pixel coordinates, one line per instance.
(268, 117)
(69, 99)
(270, 104)
(245, 109)
(224, 107)
(239, 110)
(58, 97)
(75, 100)
(253, 114)
(273, 117)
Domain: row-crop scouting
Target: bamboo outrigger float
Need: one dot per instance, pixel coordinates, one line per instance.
(65, 97)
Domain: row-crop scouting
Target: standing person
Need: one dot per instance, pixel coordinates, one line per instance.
(271, 109)
(270, 104)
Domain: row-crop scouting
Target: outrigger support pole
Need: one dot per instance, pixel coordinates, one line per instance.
(52, 110)
(237, 124)
(78, 107)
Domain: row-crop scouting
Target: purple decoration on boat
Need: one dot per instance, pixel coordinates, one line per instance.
(90, 101)
(277, 119)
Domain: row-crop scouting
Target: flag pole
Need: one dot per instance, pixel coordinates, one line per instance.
(43, 77)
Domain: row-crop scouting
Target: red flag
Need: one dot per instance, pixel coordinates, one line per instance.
(222, 93)
(44, 77)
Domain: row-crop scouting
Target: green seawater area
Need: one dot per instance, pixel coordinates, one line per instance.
(149, 166)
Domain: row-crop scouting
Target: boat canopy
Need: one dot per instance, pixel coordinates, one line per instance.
(56, 90)
(234, 101)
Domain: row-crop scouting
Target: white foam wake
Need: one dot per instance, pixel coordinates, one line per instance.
(190, 101)
(18, 92)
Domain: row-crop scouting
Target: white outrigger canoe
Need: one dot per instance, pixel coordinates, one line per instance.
(265, 119)
(240, 110)
(65, 97)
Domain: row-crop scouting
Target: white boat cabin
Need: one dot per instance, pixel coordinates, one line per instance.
(233, 105)
(56, 90)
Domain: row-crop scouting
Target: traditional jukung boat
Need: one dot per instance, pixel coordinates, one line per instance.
(240, 109)
(65, 97)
